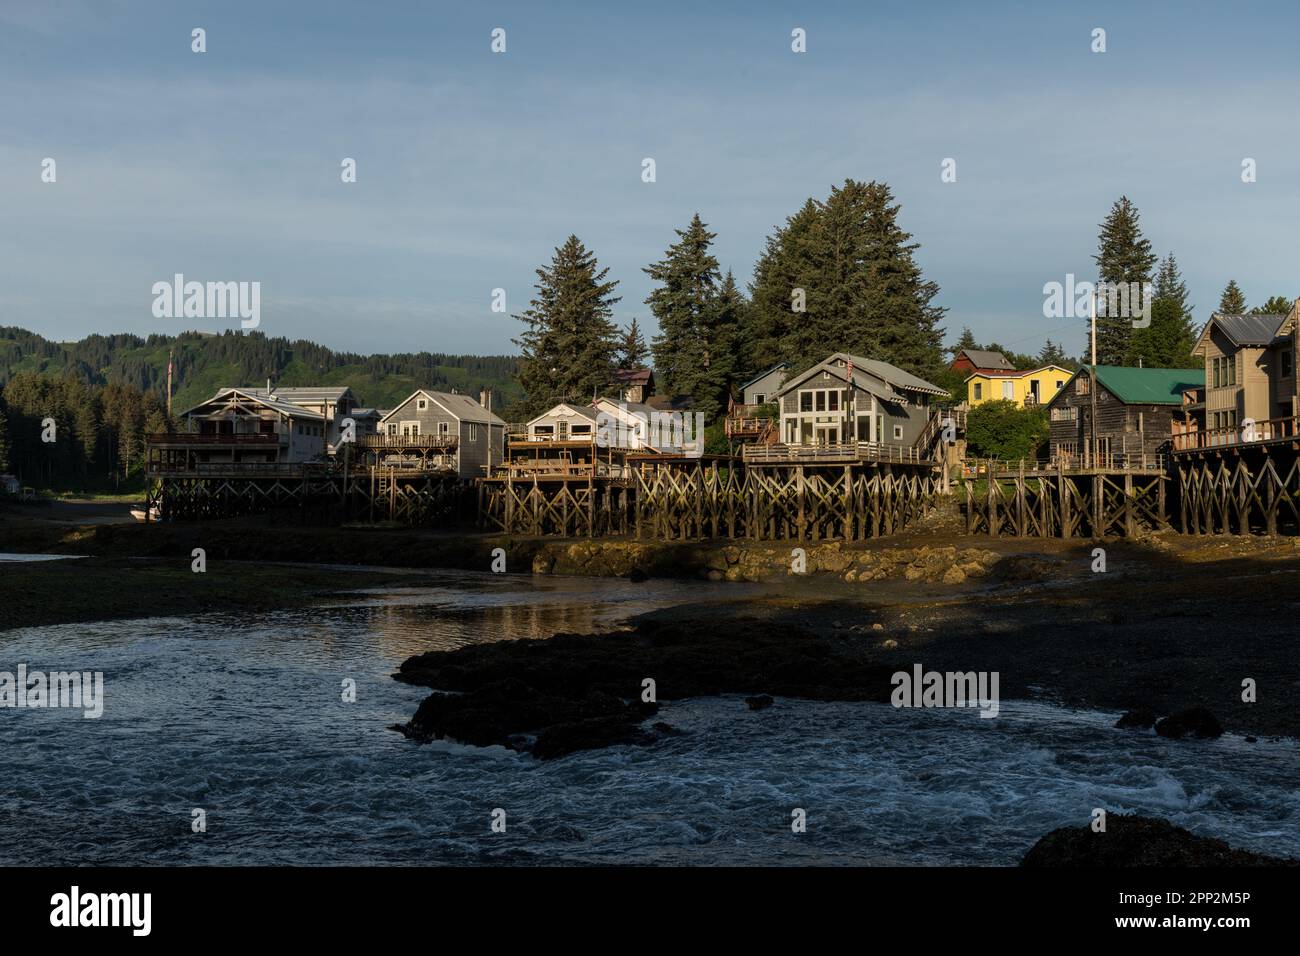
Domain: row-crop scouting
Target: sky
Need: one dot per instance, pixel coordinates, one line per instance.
(472, 166)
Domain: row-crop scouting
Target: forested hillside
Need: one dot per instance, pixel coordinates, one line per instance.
(206, 362)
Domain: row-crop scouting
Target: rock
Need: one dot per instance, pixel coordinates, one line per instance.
(1251, 740)
(1195, 722)
(637, 575)
(890, 644)
(877, 626)
(715, 575)
(1138, 717)
(1139, 841)
(759, 702)
(954, 576)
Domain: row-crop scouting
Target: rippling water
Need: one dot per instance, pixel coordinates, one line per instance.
(243, 718)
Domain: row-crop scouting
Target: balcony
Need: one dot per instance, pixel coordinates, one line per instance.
(830, 453)
(407, 442)
(263, 439)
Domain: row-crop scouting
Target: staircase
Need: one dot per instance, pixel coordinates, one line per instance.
(932, 435)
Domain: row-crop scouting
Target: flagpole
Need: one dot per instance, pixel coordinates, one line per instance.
(1092, 310)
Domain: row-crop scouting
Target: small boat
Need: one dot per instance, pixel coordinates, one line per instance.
(153, 514)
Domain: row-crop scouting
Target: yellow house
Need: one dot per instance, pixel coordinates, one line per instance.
(1037, 386)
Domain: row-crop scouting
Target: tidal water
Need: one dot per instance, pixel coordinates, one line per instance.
(243, 718)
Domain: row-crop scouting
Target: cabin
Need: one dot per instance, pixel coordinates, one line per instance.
(848, 398)
(440, 431)
(762, 388)
(980, 360)
(242, 427)
(1026, 388)
(564, 422)
(1135, 412)
(635, 384)
(1250, 369)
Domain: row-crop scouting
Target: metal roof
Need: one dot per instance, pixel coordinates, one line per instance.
(760, 375)
(1254, 330)
(893, 376)
(275, 404)
(982, 358)
(1149, 386)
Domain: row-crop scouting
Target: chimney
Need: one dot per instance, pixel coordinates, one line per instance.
(485, 398)
(268, 385)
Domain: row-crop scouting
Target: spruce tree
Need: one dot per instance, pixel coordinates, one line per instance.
(632, 353)
(1123, 256)
(569, 347)
(861, 288)
(1051, 354)
(1167, 342)
(684, 302)
(1232, 302)
(967, 341)
(1169, 285)
(1276, 305)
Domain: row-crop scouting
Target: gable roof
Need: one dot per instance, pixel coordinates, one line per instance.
(762, 375)
(864, 369)
(1143, 386)
(1256, 331)
(633, 376)
(461, 407)
(1018, 374)
(582, 411)
(983, 358)
(276, 404)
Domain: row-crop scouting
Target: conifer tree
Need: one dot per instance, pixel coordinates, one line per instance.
(967, 341)
(1052, 354)
(1276, 305)
(633, 352)
(851, 267)
(1169, 285)
(1123, 257)
(1232, 302)
(4, 443)
(569, 347)
(684, 302)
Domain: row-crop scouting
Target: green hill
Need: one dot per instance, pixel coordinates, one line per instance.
(205, 362)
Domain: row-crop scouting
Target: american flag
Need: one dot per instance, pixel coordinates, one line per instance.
(849, 369)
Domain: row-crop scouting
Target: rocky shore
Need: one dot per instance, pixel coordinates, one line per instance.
(1140, 841)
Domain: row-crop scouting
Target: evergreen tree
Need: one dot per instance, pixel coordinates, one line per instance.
(861, 288)
(684, 302)
(570, 343)
(1232, 302)
(724, 371)
(4, 443)
(967, 341)
(1052, 354)
(1169, 285)
(633, 352)
(1123, 256)
(1276, 305)
(1167, 342)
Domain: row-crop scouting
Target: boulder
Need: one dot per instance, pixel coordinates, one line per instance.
(1194, 722)
(1139, 718)
(1139, 841)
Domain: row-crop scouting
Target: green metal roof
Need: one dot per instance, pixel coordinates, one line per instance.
(1149, 386)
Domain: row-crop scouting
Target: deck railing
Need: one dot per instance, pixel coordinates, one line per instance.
(195, 438)
(831, 452)
(1006, 468)
(398, 442)
(1271, 429)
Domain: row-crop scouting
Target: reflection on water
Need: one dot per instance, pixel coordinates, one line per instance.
(244, 718)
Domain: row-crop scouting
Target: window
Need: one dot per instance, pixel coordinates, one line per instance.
(1008, 390)
(805, 401)
(1060, 384)
(1081, 385)
(898, 433)
(1068, 413)
(444, 428)
(759, 399)
(1286, 363)
(833, 401)
(473, 433)
(392, 429)
(821, 401)
(979, 391)
(421, 403)
(1224, 371)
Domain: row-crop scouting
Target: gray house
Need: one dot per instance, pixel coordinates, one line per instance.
(762, 388)
(332, 402)
(848, 398)
(449, 419)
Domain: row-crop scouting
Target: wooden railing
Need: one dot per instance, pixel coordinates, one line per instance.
(1006, 468)
(1271, 429)
(398, 442)
(831, 452)
(194, 438)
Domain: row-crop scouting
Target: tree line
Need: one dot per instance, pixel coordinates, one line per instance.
(839, 275)
(67, 433)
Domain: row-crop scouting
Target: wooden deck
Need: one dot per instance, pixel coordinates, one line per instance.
(1267, 432)
(832, 454)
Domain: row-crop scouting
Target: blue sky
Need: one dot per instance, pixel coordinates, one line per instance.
(473, 166)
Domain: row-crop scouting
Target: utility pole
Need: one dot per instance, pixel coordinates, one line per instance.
(1092, 386)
